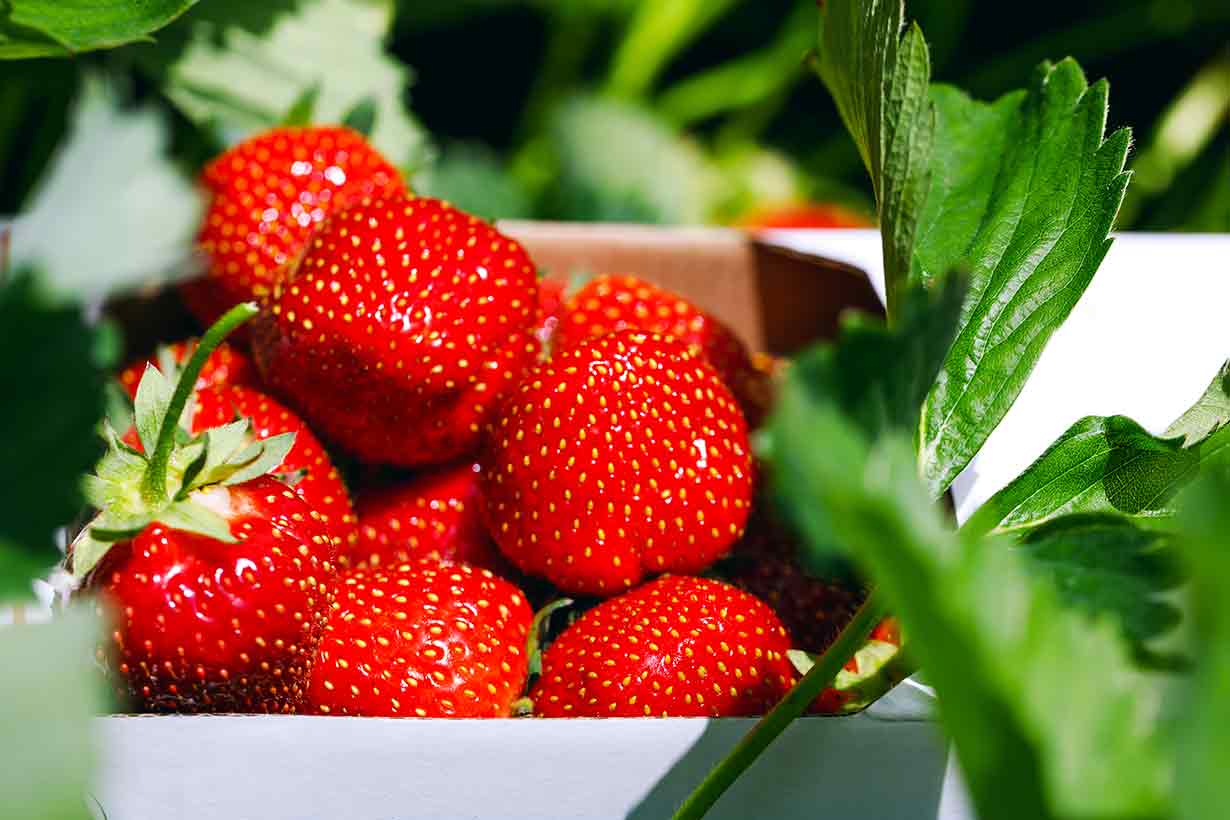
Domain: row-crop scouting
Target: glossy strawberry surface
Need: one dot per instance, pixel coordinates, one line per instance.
(610, 303)
(267, 195)
(401, 329)
(205, 626)
(621, 457)
(675, 647)
(435, 513)
(423, 639)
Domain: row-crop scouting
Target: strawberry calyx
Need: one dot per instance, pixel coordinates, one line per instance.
(536, 641)
(131, 489)
(875, 668)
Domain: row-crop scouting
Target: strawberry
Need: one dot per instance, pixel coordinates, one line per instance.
(805, 215)
(609, 303)
(425, 639)
(551, 294)
(219, 574)
(268, 194)
(226, 365)
(436, 513)
(320, 484)
(677, 646)
(623, 456)
(400, 329)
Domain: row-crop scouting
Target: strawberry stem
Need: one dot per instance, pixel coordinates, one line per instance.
(788, 708)
(154, 487)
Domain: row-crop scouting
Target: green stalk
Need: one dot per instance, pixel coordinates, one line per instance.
(154, 486)
(790, 707)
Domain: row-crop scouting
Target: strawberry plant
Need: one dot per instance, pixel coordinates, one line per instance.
(1046, 622)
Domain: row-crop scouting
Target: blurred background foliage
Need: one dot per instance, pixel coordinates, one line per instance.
(667, 111)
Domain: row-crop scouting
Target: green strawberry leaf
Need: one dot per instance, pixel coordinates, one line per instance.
(230, 77)
(1209, 414)
(49, 692)
(362, 116)
(1047, 709)
(1024, 191)
(301, 111)
(151, 405)
(1020, 192)
(1204, 746)
(878, 76)
(61, 28)
(112, 189)
(1112, 464)
(1107, 564)
(52, 403)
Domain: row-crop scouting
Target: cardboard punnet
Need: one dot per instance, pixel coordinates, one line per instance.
(888, 762)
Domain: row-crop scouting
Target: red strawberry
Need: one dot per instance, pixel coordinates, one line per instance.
(206, 626)
(609, 303)
(226, 365)
(551, 293)
(425, 639)
(622, 457)
(320, 484)
(677, 646)
(436, 513)
(805, 215)
(269, 193)
(400, 330)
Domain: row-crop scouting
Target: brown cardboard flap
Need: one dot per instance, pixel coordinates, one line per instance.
(776, 300)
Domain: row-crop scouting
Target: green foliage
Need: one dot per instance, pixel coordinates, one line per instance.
(1049, 712)
(1111, 464)
(472, 177)
(60, 28)
(1107, 564)
(1024, 191)
(53, 400)
(1204, 743)
(231, 77)
(48, 692)
(112, 190)
(623, 180)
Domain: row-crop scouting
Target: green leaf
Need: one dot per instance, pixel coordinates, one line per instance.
(362, 116)
(49, 692)
(52, 404)
(1024, 191)
(473, 177)
(1204, 745)
(878, 76)
(270, 454)
(300, 112)
(1107, 564)
(643, 173)
(191, 515)
(1209, 414)
(243, 82)
(59, 28)
(151, 405)
(657, 32)
(1049, 714)
(129, 212)
(1112, 464)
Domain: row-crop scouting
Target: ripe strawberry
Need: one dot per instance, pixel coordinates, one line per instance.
(226, 365)
(320, 484)
(269, 193)
(423, 639)
(400, 330)
(207, 626)
(551, 293)
(805, 215)
(677, 646)
(623, 456)
(609, 303)
(220, 574)
(436, 513)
